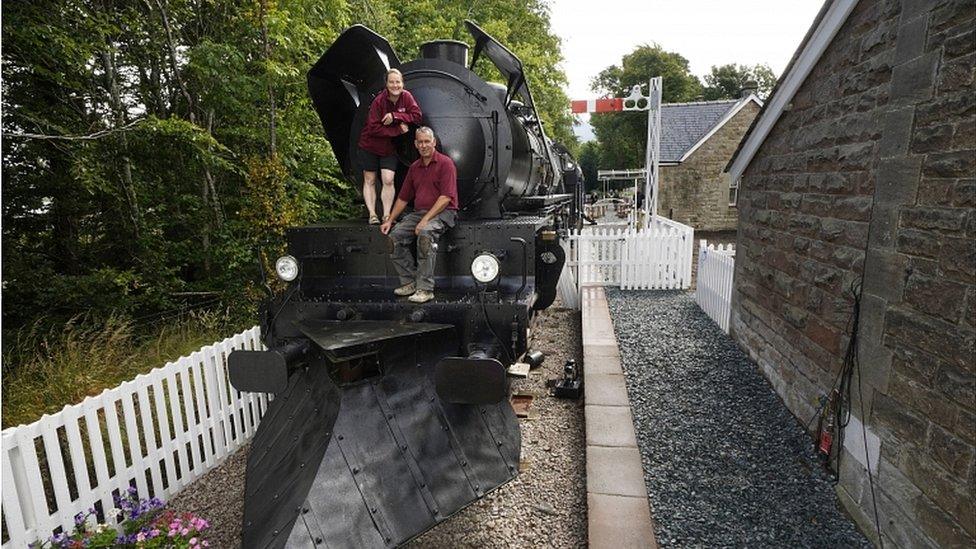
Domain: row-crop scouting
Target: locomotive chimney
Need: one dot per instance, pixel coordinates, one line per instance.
(449, 50)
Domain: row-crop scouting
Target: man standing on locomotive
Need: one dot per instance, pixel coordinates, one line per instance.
(432, 185)
(389, 115)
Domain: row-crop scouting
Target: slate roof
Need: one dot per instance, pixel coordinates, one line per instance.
(684, 124)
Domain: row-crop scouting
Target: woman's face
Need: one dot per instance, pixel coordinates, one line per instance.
(394, 84)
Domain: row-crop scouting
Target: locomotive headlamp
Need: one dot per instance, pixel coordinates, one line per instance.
(485, 268)
(287, 268)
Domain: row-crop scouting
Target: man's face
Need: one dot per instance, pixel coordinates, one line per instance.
(394, 84)
(425, 144)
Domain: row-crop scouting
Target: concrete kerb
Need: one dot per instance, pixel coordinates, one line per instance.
(619, 514)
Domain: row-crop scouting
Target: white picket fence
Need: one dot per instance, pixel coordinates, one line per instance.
(655, 258)
(158, 432)
(713, 290)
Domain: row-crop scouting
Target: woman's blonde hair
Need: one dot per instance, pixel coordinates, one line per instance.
(393, 71)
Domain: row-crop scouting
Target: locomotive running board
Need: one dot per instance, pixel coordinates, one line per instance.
(397, 461)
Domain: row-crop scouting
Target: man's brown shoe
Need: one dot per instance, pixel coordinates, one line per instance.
(421, 296)
(405, 290)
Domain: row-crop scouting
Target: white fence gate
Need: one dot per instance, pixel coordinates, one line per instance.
(656, 258)
(713, 290)
(160, 431)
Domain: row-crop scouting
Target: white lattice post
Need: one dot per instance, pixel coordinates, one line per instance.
(653, 156)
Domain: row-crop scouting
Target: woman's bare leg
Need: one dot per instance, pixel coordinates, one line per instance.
(369, 192)
(388, 193)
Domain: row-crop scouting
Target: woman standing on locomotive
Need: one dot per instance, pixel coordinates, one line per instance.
(389, 115)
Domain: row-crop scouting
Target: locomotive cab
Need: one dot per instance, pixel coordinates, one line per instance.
(390, 416)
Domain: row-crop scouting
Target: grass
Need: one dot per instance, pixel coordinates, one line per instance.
(43, 371)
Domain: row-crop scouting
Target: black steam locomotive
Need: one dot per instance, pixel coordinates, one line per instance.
(389, 417)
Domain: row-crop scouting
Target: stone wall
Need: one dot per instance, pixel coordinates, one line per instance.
(872, 169)
(696, 192)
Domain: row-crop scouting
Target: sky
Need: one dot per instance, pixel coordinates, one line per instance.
(598, 33)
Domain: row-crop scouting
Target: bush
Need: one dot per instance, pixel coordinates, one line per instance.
(45, 369)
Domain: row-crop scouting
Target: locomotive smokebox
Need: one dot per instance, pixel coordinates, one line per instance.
(448, 50)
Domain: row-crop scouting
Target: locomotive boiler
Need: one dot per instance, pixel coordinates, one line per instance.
(388, 417)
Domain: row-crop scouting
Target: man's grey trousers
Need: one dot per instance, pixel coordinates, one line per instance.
(421, 272)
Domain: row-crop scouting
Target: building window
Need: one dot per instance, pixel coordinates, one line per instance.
(734, 193)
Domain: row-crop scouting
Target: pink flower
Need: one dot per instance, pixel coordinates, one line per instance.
(185, 531)
(171, 533)
(193, 541)
(206, 543)
(141, 536)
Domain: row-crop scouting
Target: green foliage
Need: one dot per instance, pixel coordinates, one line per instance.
(185, 137)
(589, 161)
(49, 368)
(726, 81)
(623, 136)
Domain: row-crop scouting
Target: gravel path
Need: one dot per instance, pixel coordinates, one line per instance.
(725, 462)
(545, 506)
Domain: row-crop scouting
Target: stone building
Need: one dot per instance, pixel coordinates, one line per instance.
(697, 141)
(863, 162)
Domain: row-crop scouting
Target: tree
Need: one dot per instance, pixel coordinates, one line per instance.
(150, 145)
(589, 160)
(726, 81)
(623, 136)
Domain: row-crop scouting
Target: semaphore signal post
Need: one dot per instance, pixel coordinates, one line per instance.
(637, 101)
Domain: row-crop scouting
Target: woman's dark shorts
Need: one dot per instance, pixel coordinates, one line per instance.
(374, 163)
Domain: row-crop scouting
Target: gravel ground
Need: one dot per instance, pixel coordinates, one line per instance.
(545, 506)
(725, 462)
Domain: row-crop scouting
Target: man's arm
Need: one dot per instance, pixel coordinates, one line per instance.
(438, 207)
(398, 208)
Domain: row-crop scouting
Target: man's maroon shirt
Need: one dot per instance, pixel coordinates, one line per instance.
(377, 138)
(425, 184)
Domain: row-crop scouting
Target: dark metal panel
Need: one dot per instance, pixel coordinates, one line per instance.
(480, 447)
(290, 443)
(504, 60)
(426, 432)
(386, 484)
(337, 515)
